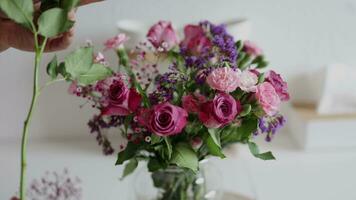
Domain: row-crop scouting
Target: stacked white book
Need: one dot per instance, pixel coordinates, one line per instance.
(320, 131)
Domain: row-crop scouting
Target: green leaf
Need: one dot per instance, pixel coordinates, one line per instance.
(154, 165)
(239, 45)
(127, 154)
(261, 78)
(213, 148)
(21, 11)
(129, 168)
(246, 109)
(256, 152)
(215, 136)
(241, 133)
(52, 68)
(54, 22)
(69, 4)
(169, 147)
(184, 156)
(95, 73)
(48, 4)
(79, 62)
(155, 139)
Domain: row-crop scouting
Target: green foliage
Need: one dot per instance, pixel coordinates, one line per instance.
(261, 78)
(54, 22)
(21, 11)
(215, 136)
(256, 152)
(48, 4)
(79, 65)
(185, 156)
(52, 68)
(260, 62)
(154, 164)
(169, 147)
(69, 4)
(129, 152)
(130, 167)
(213, 148)
(246, 109)
(155, 139)
(241, 133)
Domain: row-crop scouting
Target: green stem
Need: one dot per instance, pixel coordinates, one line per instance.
(35, 95)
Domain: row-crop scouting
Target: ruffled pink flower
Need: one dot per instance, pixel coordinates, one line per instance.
(220, 111)
(117, 98)
(163, 119)
(252, 49)
(223, 79)
(115, 42)
(195, 39)
(247, 81)
(268, 98)
(162, 35)
(279, 85)
(192, 102)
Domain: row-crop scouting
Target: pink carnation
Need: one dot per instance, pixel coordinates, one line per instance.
(247, 81)
(279, 85)
(115, 42)
(162, 35)
(223, 79)
(268, 98)
(195, 40)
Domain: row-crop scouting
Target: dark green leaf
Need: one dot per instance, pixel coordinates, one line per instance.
(21, 11)
(95, 73)
(54, 22)
(154, 165)
(69, 4)
(185, 156)
(215, 136)
(129, 168)
(48, 4)
(239, 45)
(52, 68)
(261, 78)
(213, 148)
(127, 154)
(155, 139)
(256, 152)
(246, 110)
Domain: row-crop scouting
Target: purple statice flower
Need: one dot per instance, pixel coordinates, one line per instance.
(166, 84)
(270, 125)
(98, 123)
(55, 186)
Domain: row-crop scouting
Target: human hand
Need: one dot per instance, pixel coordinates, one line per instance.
(16, 36)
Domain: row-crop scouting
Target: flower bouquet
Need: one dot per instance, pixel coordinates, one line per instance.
(212, 92)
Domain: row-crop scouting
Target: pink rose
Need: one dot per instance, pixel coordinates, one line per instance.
(115, 42)
(220, 111)
(192, 102)
(279, 85)
(268, 98)
(163, 119)
(195, 39)
(162, 35)
(117, 98)
(247, 81)
(251, 48)
(223, 79)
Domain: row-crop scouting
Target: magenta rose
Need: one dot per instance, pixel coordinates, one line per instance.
(162, 35)
(195, 39)
(192, 102)
(220, 111)
(279, 85)
(117, 98)
(164, 119)
(268, 98)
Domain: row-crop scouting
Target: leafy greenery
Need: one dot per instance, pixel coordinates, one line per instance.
(184, 156)
(52, 68)
(54, 22)
(130, 167)
(215, 136)
(129, 152)
(213, 148)
(21, 11)
(256, 152)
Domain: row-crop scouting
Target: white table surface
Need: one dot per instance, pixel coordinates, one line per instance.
(296, 175)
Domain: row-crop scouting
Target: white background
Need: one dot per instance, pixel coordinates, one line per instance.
(297, 36)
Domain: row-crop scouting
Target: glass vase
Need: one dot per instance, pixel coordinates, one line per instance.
(176, 183)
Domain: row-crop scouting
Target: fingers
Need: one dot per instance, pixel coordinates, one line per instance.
(60, 43)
